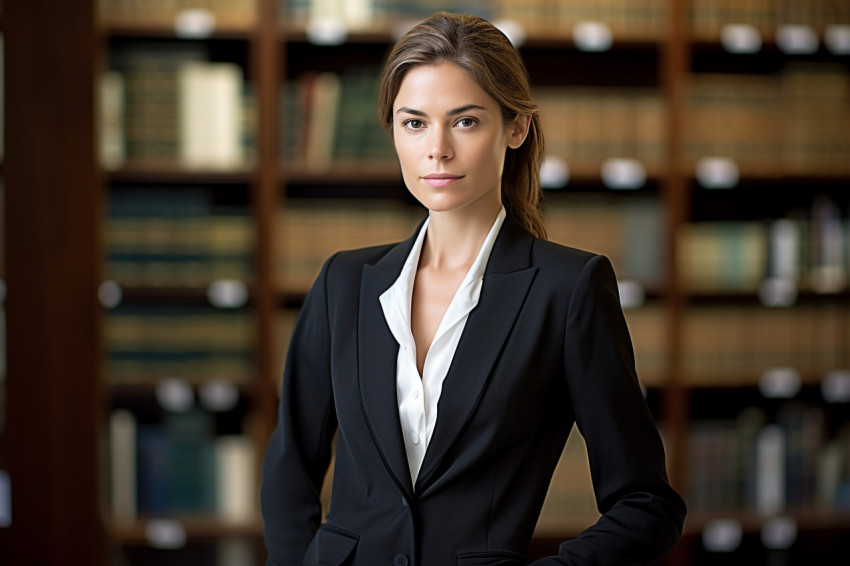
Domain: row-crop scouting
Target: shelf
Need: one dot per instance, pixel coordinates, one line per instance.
(146, 386)
(807, 519)
(188, 295)
(551, 39)
(172, 172)
(165, 31)
(358, 173)
(136, 533)
(804, 297)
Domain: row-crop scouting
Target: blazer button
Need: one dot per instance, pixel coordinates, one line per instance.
(400, 560)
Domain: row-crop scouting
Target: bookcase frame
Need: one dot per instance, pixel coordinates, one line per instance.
(58, 397)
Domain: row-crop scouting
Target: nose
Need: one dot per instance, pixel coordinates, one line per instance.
(439, 145)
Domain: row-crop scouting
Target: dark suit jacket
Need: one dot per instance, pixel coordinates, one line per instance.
(546, 346)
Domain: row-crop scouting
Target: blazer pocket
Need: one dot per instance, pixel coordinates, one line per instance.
(490, 558)
(330, 546)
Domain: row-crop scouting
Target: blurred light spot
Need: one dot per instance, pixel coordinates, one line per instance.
(780, 383)
(722, 535)
(554, 173)
(593, 36)
(110, 294)
(740, 38)
(175, 394)
(194, 23)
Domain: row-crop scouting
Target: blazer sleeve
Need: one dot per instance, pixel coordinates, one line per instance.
(642, 515)
(299, 451)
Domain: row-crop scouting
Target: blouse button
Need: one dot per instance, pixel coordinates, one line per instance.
(414, 438)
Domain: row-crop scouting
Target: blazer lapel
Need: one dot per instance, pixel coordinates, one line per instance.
(377, 357)
(506, 282)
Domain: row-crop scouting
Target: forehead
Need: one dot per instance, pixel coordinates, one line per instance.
(440, 86)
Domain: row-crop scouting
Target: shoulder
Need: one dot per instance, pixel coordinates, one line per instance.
(547, 255)
(351, 262)
(564, 269)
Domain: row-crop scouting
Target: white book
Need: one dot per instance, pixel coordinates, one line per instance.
(210, 114)
(112, 143)
(122, 460)
(770, 470)
(236, 486)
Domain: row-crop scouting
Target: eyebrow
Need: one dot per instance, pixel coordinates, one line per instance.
(452, 112)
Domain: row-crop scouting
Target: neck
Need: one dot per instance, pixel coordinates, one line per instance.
(455, 238)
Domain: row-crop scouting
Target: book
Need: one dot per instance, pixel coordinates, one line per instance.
(176, 237)
(310, 232)
(236, 485)
(323, 112)
(770, 450)
(112, 140)
(146, 343)
(210, 114)
(122, 459)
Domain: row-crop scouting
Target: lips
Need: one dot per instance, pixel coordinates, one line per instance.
(441, 179)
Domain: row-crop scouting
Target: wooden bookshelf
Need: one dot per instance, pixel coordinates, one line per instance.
(666, 52)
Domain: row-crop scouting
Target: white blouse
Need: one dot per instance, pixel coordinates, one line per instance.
(418, 396)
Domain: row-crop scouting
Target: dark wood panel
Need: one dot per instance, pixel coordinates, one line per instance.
(52, 235)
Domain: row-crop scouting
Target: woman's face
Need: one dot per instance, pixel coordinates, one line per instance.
(451, 139)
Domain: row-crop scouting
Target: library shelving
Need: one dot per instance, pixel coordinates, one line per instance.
(158, 259)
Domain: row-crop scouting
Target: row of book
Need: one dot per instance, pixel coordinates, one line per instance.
(227, 14)
(167, 104)
(629, 231)
(146, 343)
(792, 122)
(369, 15)
(709, 16)
(793, 254)
(737, 345)
(176, 237)
(767, 465)
(624, 18)
(585, 126)
(310, 231)
(180, 467)
(176, 108)
(329, 118)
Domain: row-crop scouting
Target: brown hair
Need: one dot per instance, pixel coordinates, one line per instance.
(488, 56)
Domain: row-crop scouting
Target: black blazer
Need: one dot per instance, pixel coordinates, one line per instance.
(546, 346)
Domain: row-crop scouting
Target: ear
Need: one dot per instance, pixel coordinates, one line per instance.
(518, 130)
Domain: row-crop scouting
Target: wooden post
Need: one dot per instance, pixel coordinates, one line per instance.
(53, 194)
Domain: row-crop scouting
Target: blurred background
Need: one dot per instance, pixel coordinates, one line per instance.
(174, 172)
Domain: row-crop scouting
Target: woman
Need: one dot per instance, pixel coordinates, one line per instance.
(453, 365)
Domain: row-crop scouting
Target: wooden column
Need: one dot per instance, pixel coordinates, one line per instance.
(266, 198)
(52, 224)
